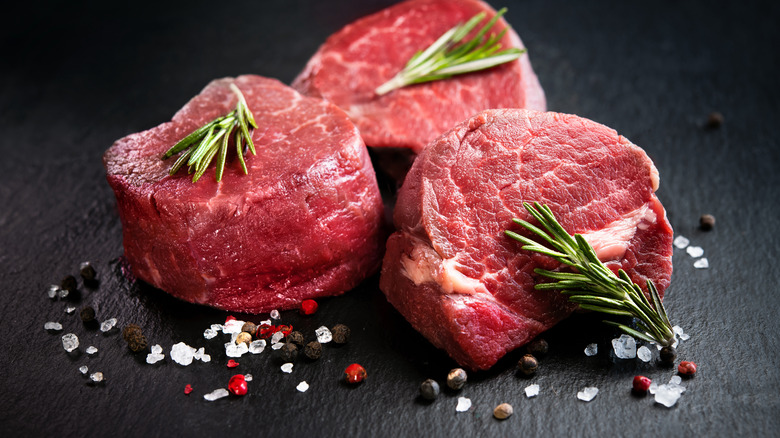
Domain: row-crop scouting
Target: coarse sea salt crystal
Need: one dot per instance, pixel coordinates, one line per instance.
(84, 369)
(157, 349)
(532, 390)
(274, 314)
(702, 263)
(51, 325)
(676, 380)
(209, 333)
(70, 309)
(107, 325)
(302, 387)
(201, 355)
(624, 346)
(695, 251)
(277, 346)
(217, 327)
(644, 354)
(287, 368)
(681, 242)
(248, 377)
(591, 349)
(236, 350)
(266, 322)
(63, 293)
(323, 335)
(182, 353)
(156, 355)
(257, 346)
(276, 337)
(587, 394)
(96, 377)
(216, 394)
(52, 291)
(668, 394)
(91, 350)
(464, 404)
(70, 342)
(680, 333)
(233, 326)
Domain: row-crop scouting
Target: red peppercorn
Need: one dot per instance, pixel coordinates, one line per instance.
(641, 384)
(237, 385)
(232, 364)
(355, 373)
(686, 368)
(308, 307)
(188, 389)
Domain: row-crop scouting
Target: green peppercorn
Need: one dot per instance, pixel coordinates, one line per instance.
(528, 364)
(69, 283)
(538, 347)
(87, 314)
(429, 389)
(667, 355)
(456, 378)
(249, 327)
(288, 352)
(340, 333)
(313, 350)
(296, 338)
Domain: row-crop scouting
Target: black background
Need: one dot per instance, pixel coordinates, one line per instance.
(75, 76)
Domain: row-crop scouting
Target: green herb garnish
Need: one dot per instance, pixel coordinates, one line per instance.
(594, 286)
(442, 59)
(212, 140)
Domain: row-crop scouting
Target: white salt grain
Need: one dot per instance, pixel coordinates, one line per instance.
(70, 309)
(668, 394)
(695, 251)
(287, 368)
(153, 358)
(624, 346)
(277, 346)
(675, 380)
(209, 333)
(702, 263)
(276, 337)
(257, 346)
(591, 349)
(64, 293)
(302, 387)
(201, 355)
(70, 342)
(464, 404)
(680, 333)
(232, 326)
(182, 354)
(217, 327)
(107, 325)
(644, 354)
(588, 394)
(157, 349)
(323, 335)
(52, 291)
(274, 314)
(216, 394)
(248, 377)
(266, 322)
(51, 325)
(236, 350)
(96, 377)
(84, 369)
(91, 350)
(681, 242)
(532, 390)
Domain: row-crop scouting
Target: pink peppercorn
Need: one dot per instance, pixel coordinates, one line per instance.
(237, 385)
(308, 307)
(641, 384)
(686, 368)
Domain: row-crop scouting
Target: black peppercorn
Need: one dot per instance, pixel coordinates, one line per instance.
(313, 350)
(249, 327)
(538, 347)
(528, 364)
(288, 352)
(456, 378)
(87, 271)
(87, 314)
(667, 355)
(340, 333)
(69, 283)
(296, 338)
(707, 222)
(136, 341)
(714, 120)
(429, 389)
(129, 331)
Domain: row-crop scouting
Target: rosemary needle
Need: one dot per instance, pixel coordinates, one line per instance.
(203, 144)
(594, 286)
(443, 59)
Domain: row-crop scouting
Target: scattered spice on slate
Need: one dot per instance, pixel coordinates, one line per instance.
(296, 338)
(288, 352)
(714, 120)
(456, 378)
(87, 314)
(249, 327)
(707, 222)
(667, 355)
(538, 347)
(686, 368)
(87, 271)
(308, 307)
(340, 333)
(355, 373)
(641, 384)
(429, 389)
(69, 283)
(244, 338)
(503, 411)
(313, 350)
(188, 389)
(237, 385)
(528, 364)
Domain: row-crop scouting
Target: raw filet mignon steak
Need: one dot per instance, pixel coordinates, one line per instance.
(303, 223)
(468, 288)
(356, 60)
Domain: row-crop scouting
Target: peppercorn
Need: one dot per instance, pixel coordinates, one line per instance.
(686, 368)
(296, 338)
(707, 222)
(714, 120)
(667, 355)
(136, 341)
(69, 283)
(313, 350)
(340, 333)
(308, 307)
(87, 271)
(503, 411)
(538, 347)
(87, 314)
(249, 327)
(528, 364)
(429, 389)
(641, 384)
(288, 352)
(130, 330)
(355, 373)
(456, 378)
(243, 338)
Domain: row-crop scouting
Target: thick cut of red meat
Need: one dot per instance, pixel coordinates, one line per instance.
(304, 223)
(354, 61)
(469, 289)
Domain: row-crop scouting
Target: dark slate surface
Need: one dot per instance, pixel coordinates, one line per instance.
(77, 76)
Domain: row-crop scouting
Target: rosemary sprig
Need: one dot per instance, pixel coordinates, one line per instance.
(443, 59)
(594, 286)
(210, 140)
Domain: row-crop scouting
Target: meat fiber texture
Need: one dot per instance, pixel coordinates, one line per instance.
(305, 222)
(354, 61)
(468, 288)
